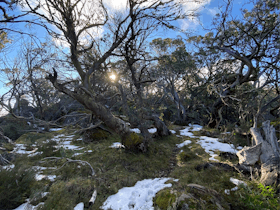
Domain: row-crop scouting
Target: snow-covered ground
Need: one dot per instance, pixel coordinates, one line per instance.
(208, 143)
(140, 196)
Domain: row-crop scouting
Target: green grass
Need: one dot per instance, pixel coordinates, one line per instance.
(118, 168)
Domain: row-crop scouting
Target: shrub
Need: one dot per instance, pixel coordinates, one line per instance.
(15, 186)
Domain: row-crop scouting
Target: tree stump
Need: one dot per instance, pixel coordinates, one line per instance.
(269, 154)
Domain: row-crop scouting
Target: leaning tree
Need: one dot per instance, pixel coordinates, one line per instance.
(78, 25)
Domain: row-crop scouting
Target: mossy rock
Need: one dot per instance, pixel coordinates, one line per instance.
(164, 199)
(132, 141)
(95, 134)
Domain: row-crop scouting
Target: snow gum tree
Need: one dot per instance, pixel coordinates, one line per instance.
(94, 26)
(249, 55)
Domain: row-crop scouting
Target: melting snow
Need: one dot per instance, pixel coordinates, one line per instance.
(152, 130)
(237, 183)
(184, 143)
(172, 131)
(55, 129)
(80, 206)
(8, 167)
(117, 145)
(140, 196)
(208, 143)
(39, 177)
(65, 142)
(212, 144)
(28, 206)
(135, 130)
(21, 149)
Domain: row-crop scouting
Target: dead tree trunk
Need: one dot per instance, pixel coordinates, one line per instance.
(269, 153)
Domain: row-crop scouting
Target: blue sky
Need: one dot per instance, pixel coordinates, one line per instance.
(207, 10)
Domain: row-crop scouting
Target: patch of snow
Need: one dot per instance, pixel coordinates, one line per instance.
(140, 196)
(55, 129)
(41, 168)
(135, 130)
(28, 206)
(89, 151)
(172, 131)
(195, 127)
(236, 182)
(186, 132)
(77, 154)
(33, 154)
(152, 130)
(21, 149)
(239, 148)
(39, 177)
(79, 206)
(65, 142)
(184, 143)
(8, 167)
(212, 144)
(117, 145)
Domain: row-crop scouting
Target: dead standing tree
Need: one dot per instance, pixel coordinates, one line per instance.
(75, 19)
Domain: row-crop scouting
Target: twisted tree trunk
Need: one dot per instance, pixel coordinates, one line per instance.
(269, 153)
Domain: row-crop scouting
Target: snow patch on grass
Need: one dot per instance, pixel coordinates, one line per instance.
(117, 145)
(184, 143)
(212, 144)
(140, 196)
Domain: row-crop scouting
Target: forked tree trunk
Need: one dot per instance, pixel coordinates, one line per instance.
(269, 153)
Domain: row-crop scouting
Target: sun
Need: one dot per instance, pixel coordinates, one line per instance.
(113, 77)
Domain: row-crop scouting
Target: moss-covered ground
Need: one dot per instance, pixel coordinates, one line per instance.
(116, 168)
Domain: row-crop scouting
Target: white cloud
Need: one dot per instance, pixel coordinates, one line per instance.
(190, 8)
(213, 11)
(117, 5)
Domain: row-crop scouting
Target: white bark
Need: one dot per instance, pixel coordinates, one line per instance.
(249, 155)
(269, 153)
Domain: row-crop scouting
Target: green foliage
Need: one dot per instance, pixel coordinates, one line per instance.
(15, 186)
(164, 199)
(257, 197)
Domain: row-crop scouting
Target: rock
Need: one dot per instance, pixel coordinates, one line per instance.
(185, 206)
(249, 155)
